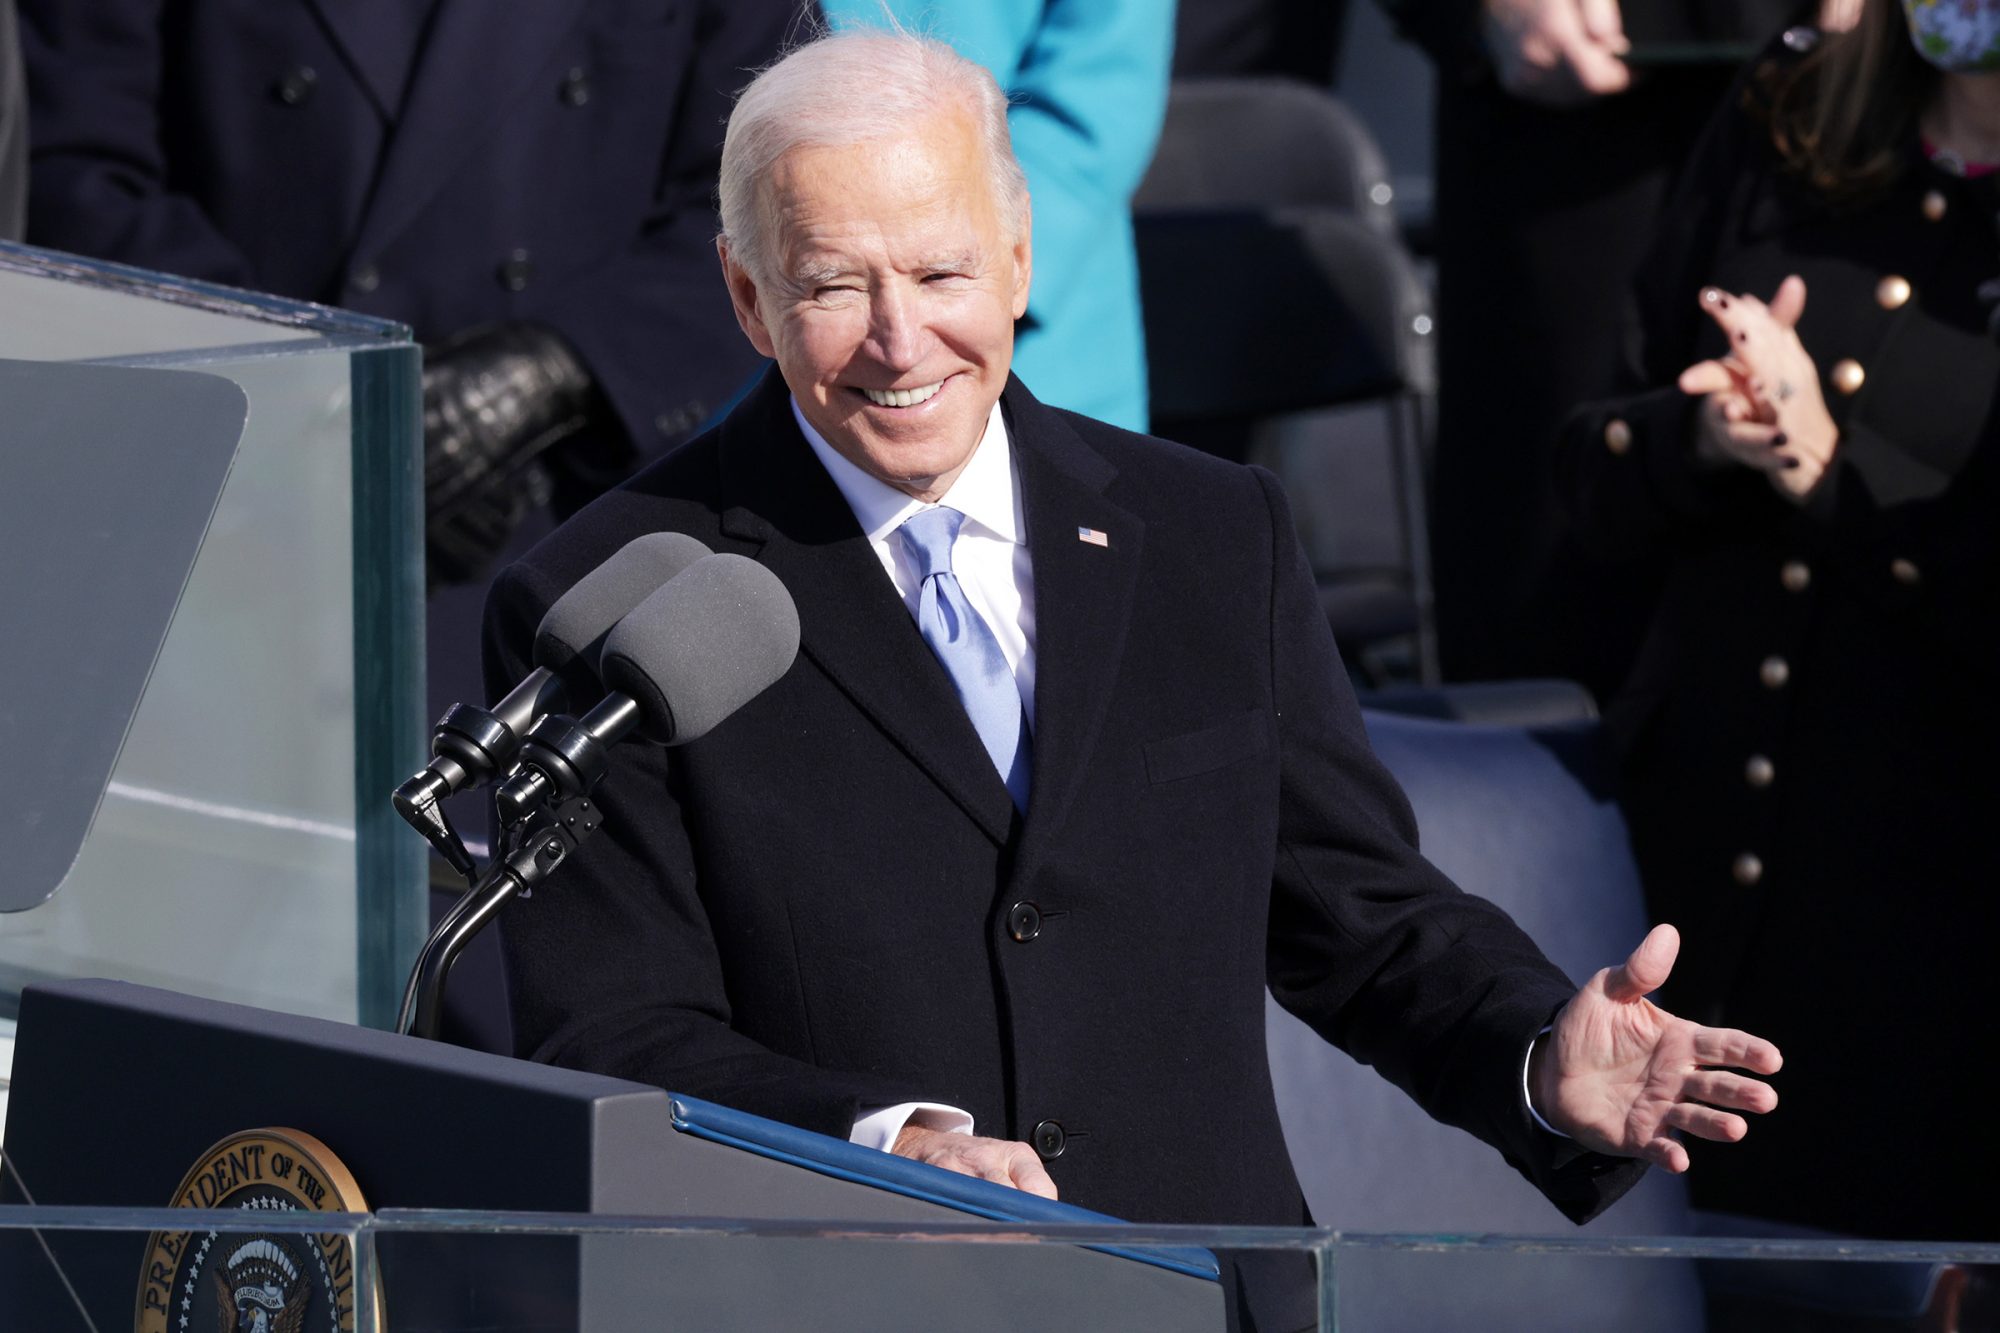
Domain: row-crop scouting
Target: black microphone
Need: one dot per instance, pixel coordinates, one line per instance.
(471, 746)
(693, 652)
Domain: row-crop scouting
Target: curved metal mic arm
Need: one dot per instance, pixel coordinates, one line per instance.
(535, 846)
(545, 813)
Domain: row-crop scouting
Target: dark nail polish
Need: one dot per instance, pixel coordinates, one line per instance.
(1777, 439)
(1791, 463)
(1741, 336)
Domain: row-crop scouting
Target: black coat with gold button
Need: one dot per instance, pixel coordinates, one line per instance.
(1808, 735)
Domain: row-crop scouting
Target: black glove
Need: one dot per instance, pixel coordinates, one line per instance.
(496, 398)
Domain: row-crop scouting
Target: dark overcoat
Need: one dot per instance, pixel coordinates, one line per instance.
(1809, 734)
(830, 902)
(443, 164)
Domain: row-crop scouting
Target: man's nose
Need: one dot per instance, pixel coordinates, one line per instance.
(897, 335)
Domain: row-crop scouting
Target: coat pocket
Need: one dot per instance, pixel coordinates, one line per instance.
(1196, 752)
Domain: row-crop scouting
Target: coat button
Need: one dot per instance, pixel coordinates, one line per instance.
(1774, 671)
(1892, 292)
(1848, 375)
(1934, 205)
(1758, 771)
(575, 90)
(1748, 869)
(364, 278)
(1905, 572)
(1796, 576)
(1024, 921)
(514, 271)
(1049, 1140)
(296, 88)
(1617, 435)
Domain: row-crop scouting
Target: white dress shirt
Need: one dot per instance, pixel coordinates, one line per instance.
(991, 563)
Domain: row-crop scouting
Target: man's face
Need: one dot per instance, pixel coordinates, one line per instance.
(891, 305)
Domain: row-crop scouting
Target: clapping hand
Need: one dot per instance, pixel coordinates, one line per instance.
(1761, 404)
(1619, 1074)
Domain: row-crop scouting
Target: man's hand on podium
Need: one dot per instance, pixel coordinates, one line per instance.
(1001, 1160)
(1617, 1073)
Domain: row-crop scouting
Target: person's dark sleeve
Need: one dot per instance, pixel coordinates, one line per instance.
(99, 174)
(1373, 946)
(1626, 470)
(1447, 30)
(13, 129)
(612, 966)
(652, 323)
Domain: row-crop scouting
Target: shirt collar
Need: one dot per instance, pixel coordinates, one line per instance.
(986, 492)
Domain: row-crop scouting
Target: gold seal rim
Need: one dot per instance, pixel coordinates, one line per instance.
(343, 1193)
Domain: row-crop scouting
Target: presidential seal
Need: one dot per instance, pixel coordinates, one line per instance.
(255, 1280)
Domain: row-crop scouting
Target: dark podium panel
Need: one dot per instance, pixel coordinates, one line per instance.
(119, 1089)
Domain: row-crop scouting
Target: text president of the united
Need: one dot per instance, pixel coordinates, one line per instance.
(1067, 770)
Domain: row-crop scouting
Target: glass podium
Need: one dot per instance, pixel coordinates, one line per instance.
(211, 515)
(413, 1269)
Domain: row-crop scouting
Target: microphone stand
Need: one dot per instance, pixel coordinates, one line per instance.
(545, 812)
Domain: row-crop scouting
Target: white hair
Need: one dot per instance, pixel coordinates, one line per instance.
(856, 87)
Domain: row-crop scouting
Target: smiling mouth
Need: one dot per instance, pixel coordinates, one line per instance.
(923, 393)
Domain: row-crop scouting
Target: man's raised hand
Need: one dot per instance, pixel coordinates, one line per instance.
(1000, 1160)
(1619, 1074)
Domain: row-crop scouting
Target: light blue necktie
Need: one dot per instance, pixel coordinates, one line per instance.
(966, 646)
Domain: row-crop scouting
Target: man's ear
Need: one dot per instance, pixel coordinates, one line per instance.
(1024, 259)
(743, 296)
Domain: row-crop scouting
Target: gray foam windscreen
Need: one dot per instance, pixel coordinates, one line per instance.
(703, 646)
(576, 625)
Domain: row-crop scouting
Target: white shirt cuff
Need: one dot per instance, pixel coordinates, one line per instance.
(878, 1128)
(1525, 1098)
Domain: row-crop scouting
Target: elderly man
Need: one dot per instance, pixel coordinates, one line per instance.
(1067, 769)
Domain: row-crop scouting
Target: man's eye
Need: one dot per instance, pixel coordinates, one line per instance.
(943, 277)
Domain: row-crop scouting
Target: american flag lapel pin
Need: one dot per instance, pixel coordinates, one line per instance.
(1092, 537)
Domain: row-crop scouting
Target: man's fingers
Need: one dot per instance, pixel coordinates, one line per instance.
(1705, 1122)
(1025, 1172)
(1646, 970)
(1731, 1091)
(1597, 70)
(1730, 1049)
(1604, 24)
(1666, 1154)
(1790, 302)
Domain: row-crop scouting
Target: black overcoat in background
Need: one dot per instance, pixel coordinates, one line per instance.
(830, 902)
(1809, 735)
(444, 163)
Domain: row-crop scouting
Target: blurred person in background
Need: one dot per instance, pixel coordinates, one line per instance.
(1806, 439)
(1087, 80)
(1560, 125)
(1299, 39)
(13, 129)
(526, 183)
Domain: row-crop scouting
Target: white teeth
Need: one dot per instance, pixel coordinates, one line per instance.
(902, 397)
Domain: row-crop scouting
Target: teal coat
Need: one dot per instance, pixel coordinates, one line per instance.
(1088, 81)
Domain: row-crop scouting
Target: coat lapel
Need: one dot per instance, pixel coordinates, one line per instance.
(480, 56)
(378, 43)
(1083, 605)
(851, 622)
